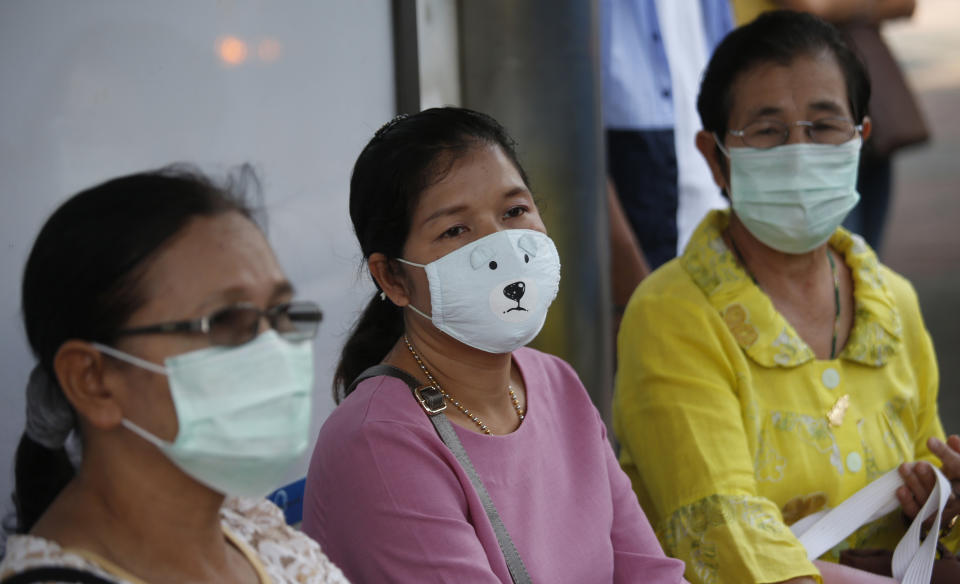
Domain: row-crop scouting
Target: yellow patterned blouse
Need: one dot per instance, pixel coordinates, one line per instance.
(746, 10)
(720, 409)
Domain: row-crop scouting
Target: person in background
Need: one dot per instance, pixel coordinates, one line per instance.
(170, 348)
(875, 179)
(465, 273)
(653, 55)
(777, 367)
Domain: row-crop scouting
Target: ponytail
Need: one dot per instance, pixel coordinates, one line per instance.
(375, 333)
(41, 473)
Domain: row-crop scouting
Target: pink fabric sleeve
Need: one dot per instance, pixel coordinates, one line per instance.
(412, 524)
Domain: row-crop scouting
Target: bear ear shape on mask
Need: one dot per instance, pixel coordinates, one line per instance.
(480, 256)
(529, 244)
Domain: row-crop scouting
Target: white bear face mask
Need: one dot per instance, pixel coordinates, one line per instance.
(493, 293)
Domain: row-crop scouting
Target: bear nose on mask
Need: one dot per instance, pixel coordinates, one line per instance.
(514, 291)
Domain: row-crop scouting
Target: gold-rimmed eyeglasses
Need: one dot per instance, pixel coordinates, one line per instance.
(772, 133)
(238, 323)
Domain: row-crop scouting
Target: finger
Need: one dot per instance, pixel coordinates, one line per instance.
(948, 455)
(912, 481)
(925, 473)
(907, 502)
(954, 442)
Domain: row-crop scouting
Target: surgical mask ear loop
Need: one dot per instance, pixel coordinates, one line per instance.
(720, 145)
(411, 306)
(149, 366)
(142, 363)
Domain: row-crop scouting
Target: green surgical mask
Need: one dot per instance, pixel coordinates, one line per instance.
(243, 412)
(793, 197)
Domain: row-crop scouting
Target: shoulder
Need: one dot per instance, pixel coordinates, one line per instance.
(27, 552)
(903, 293)
(534, 362)
(380, 410)
(555, 388)
(669, 294)
(559, 378)
(908, 314)
(378, 430)
(381, 398)
(286, 554)
(669, 279)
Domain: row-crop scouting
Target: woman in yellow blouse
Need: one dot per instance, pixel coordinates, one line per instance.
(776, 367)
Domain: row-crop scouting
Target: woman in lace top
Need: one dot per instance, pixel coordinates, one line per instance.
(174, 369)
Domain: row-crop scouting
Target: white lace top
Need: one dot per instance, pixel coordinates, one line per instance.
(279, 553)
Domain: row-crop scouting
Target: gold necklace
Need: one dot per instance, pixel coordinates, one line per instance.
(456, 403)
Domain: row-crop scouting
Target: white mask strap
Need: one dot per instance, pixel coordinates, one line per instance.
(417, 310)
(161, 444)
(411, 263)
(143, 363)
(410, 306)
(720, 146)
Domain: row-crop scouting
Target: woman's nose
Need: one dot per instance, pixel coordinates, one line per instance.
(798, 133)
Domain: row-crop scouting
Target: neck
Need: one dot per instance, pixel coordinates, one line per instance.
(772, 268)
(128, 494)
(477, 378)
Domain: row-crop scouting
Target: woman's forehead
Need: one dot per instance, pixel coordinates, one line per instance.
(806, 84)
(477, 177)
(208, 256)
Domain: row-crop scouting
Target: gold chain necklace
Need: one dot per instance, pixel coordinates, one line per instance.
(456, 403)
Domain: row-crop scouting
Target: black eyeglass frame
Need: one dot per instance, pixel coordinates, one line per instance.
(203, 324)
(809, 127)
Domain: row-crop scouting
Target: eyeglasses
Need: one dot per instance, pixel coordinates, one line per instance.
(238, 324)
(772, 133)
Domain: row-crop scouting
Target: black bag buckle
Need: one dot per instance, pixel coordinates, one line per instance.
(431, 399)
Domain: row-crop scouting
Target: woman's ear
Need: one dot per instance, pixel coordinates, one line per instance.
(707, 146)
(387, 275)
(867, 128)
(87, 384)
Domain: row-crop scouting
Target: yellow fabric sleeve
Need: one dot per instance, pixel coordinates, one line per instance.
(928, 379)
(679, 418)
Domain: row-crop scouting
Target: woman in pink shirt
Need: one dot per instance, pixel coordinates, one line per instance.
(465, 273)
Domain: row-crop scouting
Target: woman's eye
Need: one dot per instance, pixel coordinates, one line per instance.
(516, 211)
(454, 231)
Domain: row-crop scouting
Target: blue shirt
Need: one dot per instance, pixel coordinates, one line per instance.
(637, 92)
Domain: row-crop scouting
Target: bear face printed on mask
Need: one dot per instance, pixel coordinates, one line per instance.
(493, 293)
(516, 298)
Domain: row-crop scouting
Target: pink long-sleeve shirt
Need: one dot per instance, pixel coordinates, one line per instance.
(389, 502)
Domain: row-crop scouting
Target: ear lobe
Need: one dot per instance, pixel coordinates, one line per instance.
(707, 145)
(80, 371)
(385, 273)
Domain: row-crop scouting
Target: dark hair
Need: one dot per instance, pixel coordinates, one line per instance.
(82, 281)
(404, 157)
(778, 36)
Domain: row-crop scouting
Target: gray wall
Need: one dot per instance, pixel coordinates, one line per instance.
(98, 88)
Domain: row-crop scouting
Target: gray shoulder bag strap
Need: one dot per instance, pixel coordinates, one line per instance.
(431, 400)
